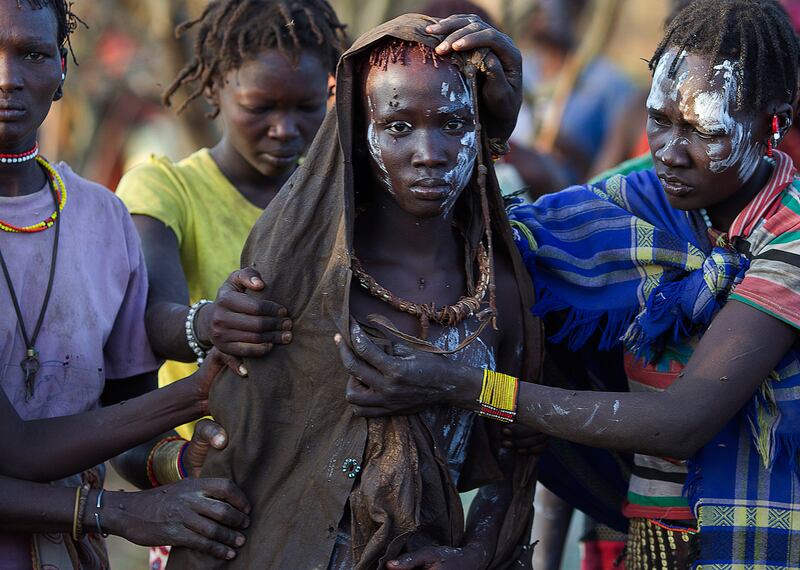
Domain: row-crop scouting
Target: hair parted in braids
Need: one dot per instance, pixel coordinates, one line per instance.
(756, 33)
(232, 31)
(67, 20)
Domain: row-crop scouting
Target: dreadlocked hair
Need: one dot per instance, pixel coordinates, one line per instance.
(67, 20)
(757, 33)
(232, 31)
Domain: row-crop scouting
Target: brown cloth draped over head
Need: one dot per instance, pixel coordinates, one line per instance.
(295, 446)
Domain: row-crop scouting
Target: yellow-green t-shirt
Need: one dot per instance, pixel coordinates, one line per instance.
(210, 218)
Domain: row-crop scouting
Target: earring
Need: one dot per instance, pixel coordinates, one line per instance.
(776, 135)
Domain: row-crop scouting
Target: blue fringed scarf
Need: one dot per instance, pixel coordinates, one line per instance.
(618, 259)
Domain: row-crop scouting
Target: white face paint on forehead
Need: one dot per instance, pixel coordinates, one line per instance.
(459, 176)
(709, 104)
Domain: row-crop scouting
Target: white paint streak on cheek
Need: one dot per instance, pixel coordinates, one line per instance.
(445, 88)
(714, 112)
(459, 176)
(373, 144)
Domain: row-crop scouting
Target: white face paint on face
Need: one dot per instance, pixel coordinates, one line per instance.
(708, 104)
(420, 134)
(459, 176)
(374, 146)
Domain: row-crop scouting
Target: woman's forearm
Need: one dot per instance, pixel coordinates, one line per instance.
(71, 444)
(641, 422)
(166, 331)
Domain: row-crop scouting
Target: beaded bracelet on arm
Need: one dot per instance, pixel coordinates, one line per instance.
(499, 395)
(191, 331)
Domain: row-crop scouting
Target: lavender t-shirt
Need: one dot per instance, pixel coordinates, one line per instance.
(94, 326)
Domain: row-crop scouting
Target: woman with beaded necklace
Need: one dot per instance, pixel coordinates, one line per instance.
(695, 265)
(72, 295)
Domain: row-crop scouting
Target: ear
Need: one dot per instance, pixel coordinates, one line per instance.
(785, 117)
(63, 52)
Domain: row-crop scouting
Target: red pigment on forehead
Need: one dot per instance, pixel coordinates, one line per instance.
(398, 51)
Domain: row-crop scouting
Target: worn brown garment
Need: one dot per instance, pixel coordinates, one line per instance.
(294, 443)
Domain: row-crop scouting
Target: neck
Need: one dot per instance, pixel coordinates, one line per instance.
(258, 188)
(21, 179)
(723, 214)
(385, 232)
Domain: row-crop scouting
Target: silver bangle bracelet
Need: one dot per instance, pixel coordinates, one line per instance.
(191, 332)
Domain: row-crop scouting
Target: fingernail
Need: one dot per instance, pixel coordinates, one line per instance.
(219, 440)
(242, 370)
(507, 443)
(444, 46)
(337, 338)
(286, 337)
(506, 431)
(239, 540)
(287, 325)
(231, 555)
(247, 510)
(458, 44)
(282, 312)
(256, 281)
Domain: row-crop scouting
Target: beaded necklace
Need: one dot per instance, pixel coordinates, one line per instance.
(706, 217)
(448, 316)
(60, 193)
(30, 363)
(21, 157)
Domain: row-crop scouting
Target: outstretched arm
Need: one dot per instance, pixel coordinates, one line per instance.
(738, 351)
(48, 449)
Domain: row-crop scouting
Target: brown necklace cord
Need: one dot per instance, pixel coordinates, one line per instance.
(30, 364)
(448, 316)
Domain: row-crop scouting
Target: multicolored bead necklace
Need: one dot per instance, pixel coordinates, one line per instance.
(60, 191)
(21, 157)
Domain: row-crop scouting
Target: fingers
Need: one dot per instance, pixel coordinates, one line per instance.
(213, 363)
(357, 367)
(208, 432)
(238, 302)
(466, 32)
(212, 536)
(198, 542)
(367, 350)
(224, 514)
(245, 279)
(226, 490)
(235, 364)
(418, 559)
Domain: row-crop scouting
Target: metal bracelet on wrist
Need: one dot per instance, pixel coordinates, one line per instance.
(191, 331)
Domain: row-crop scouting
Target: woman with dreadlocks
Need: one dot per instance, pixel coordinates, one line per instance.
(406, 204)
(695, 265)
(72, 296)
(266, 69)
